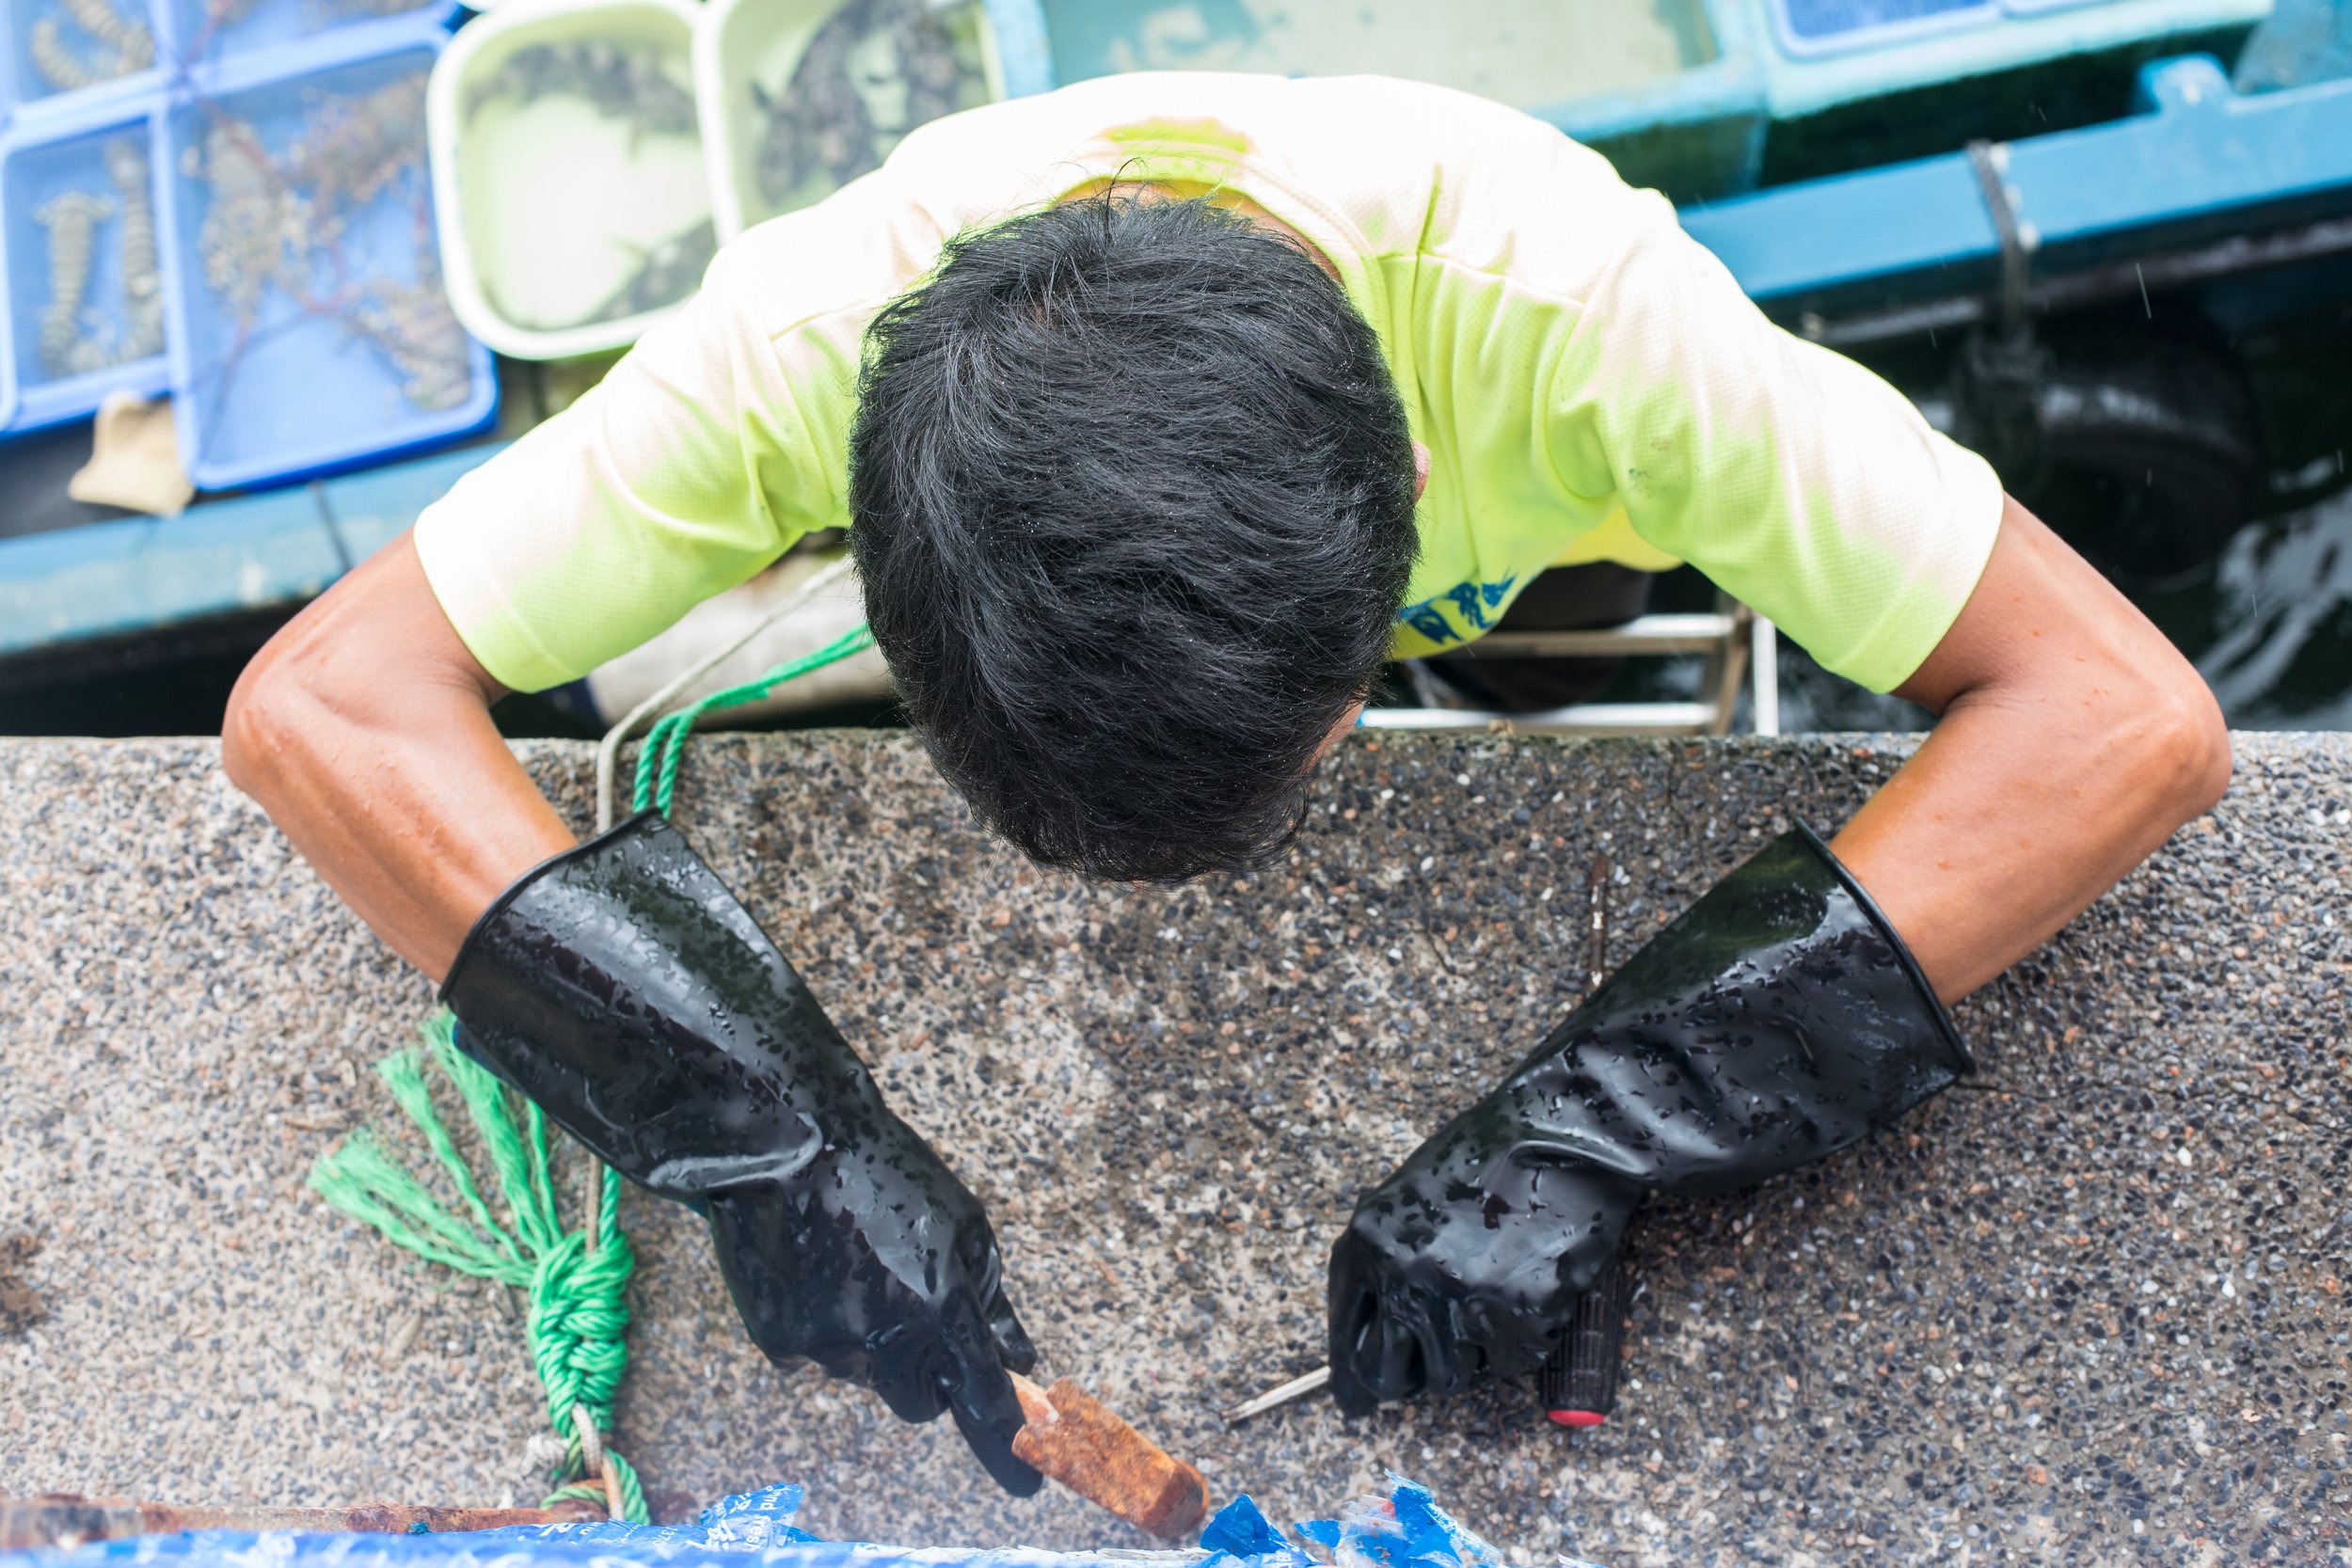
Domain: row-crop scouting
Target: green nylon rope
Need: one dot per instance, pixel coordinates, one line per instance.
(577, 1314)
(665, 743)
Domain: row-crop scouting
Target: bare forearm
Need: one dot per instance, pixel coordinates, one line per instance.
(2073, 741)
(2000, 829)
(364, 731)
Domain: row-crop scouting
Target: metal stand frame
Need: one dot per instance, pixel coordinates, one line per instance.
(1733, 640)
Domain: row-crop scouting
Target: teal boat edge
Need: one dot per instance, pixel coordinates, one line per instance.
(278, 547)
(1024, 53)
(2237, 163)
(2234, 164)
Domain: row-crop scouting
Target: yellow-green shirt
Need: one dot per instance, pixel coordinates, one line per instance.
(1589, 381)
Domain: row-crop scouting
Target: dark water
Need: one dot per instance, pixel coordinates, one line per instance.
(2270, 626)
(2267, 619)
(2271, 629)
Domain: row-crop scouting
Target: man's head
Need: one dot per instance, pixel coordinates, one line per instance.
(1133, 495)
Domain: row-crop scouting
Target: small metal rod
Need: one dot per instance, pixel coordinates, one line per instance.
(1988, 161)
(1596, 904)
(1296, 1388)
(1765, 659)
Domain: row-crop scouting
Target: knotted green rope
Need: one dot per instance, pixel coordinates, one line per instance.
(577, 1314)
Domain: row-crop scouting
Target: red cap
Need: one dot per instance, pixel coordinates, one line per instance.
(1578, 1418)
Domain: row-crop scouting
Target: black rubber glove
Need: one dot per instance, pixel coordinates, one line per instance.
(626, 991)
(1778, 1020)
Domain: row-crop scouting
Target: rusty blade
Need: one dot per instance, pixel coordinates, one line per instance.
(1072, 1436)
(65, 1519)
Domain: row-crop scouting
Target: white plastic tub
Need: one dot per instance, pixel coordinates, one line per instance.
(566, 228)
(750, 50)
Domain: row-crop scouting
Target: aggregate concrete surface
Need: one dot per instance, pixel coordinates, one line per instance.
(2090, 1308)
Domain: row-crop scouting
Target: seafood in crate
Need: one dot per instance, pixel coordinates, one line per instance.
(213, 30)
(58, 51)
(633, 88)
(872, 72)
(84, 289)
(317, 328)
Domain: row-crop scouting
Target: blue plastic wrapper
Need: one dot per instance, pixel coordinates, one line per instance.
(1406, 1530)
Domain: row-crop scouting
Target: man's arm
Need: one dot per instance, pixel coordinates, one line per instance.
(2072, 740)
(363, 728)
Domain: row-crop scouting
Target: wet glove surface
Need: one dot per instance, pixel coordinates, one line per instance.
(1778, 1020)
(625, 989)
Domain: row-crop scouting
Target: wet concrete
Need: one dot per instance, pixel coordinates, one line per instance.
(2089, 1310)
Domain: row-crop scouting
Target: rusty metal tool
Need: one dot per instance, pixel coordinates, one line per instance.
(67, 1519)
(1072, 1437)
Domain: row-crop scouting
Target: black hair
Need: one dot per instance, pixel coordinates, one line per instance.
(1132, 502)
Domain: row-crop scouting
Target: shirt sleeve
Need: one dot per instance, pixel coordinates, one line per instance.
(1793, 477)
(686, 470)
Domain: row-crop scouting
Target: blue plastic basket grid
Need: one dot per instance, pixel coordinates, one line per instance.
(300, 393)
(37, 163)
(27, 94)
(184, 34)
(210, 33)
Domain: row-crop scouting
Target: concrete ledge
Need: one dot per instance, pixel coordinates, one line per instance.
(2091, 1310)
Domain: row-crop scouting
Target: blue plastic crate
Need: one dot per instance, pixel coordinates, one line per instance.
(1900, 83)
(210, 32)
(1806, 28)
(310, 331)
(77, 212)
(56, 62)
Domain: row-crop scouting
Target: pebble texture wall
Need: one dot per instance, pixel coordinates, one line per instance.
(2090, 1308)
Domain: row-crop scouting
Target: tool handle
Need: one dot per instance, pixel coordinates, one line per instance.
(1072, 1436)
(1579, 1383)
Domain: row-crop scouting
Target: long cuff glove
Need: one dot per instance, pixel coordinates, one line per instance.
(625, 990)
(1778, 1020)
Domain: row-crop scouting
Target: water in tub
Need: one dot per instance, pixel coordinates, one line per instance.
(1527, 52)
(831, 109)
(584, 184)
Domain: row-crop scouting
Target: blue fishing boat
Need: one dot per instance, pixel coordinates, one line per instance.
(1956, 191)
